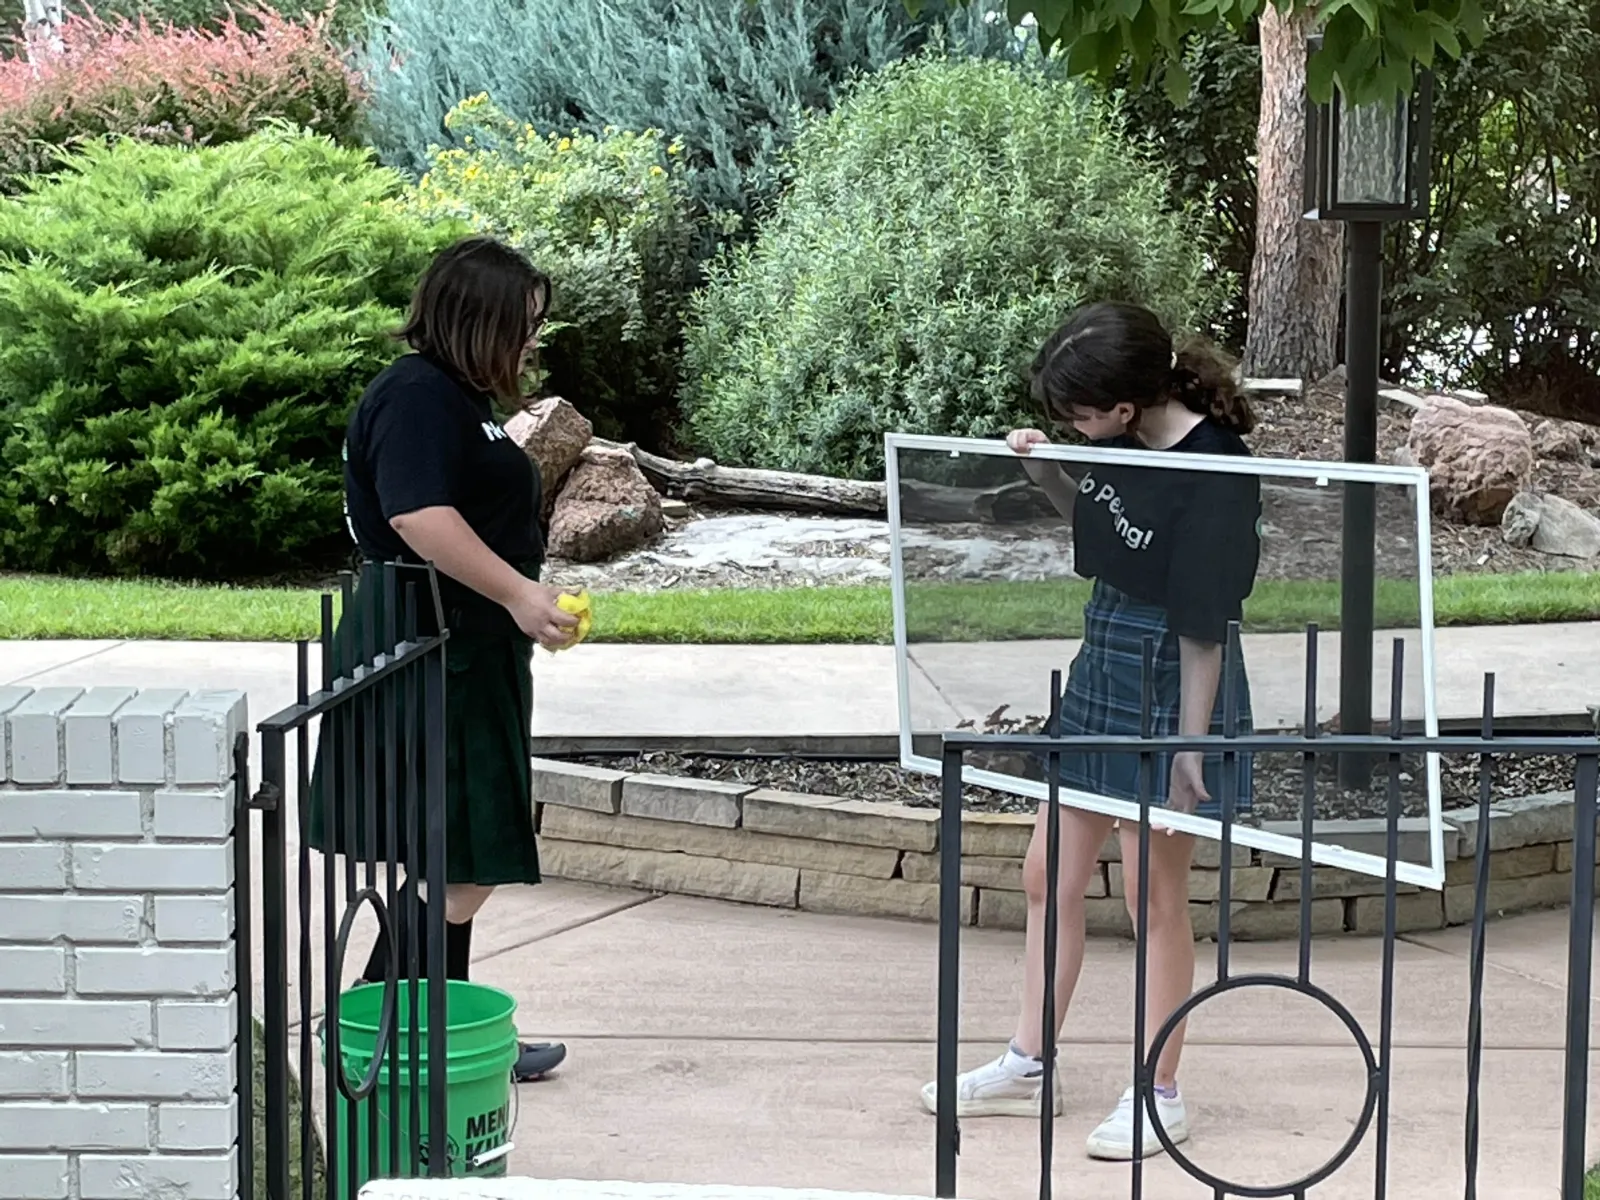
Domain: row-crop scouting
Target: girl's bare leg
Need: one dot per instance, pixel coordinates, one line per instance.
(1169, 960)
(1082, 836)
(1013, 1084)
(1169, 956)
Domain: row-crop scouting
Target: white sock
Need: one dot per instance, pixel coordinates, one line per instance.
(1019, 1064)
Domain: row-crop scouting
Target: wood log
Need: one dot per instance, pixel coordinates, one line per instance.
(1004, 504)
(751, 488)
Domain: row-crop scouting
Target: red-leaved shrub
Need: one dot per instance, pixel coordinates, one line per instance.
(167, 84)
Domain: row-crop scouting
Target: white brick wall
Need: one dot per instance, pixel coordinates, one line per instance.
(118, 1022)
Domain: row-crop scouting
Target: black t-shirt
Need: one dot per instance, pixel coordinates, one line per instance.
(1187, 541)
(421, 439)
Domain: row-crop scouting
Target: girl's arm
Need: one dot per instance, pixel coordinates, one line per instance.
(1199, 673)
(1050, 477)
(1199, 670)
(1059, 487)
(441, 535)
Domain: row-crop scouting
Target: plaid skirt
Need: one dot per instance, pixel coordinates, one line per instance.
(1104, 695)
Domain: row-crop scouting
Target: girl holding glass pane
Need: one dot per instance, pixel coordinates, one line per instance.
(1172, 554)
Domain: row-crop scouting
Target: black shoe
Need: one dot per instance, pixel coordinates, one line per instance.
(538, 1060)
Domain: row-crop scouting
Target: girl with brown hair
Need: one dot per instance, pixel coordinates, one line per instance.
(1173, 553)
(430, 476)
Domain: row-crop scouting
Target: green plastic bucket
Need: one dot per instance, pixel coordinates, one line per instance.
(481, 1048)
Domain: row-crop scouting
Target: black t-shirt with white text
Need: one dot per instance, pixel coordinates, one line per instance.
(421, 439)
(1187, 541)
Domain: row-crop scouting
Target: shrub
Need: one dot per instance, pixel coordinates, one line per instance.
(727, 78)
(942, 221)
(604, 217)
(179, 86)
(182, 336)
(347, 16)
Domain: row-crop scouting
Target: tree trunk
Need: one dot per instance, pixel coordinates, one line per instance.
(41, 27)
(1295, 276)
(751, 488)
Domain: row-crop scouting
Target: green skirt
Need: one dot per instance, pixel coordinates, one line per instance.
(488, 719)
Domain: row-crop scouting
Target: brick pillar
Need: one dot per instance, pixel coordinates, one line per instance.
(118, 1021)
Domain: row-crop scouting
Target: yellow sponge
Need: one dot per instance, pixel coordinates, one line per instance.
(578, 606)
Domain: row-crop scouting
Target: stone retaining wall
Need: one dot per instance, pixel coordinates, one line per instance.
(738, 842)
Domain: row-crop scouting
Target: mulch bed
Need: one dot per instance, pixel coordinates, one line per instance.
(1278, 782)
(1312, 427)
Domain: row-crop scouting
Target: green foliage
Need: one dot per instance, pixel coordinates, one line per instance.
(605, 218)
(1511, 252)
(182, 336)
(726, 78)
(1500, 287)
(942, 222)
(1371, 47)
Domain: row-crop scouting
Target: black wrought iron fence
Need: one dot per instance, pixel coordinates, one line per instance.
(1311, 745)
(379, 769)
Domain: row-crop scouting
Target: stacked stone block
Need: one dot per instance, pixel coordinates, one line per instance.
(738, 842)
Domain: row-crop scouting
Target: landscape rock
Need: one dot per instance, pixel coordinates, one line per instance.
(1521, 519)
(1551, 525)
(1478, 458)
(1559, 441)
(554, 434)
(606, 507)
(1566, 529)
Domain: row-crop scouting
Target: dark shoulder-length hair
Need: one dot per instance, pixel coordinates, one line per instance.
(1113, 353)
(475, 310)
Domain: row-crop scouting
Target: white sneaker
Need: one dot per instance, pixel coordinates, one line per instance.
(996, 1090)
(1113, 1140)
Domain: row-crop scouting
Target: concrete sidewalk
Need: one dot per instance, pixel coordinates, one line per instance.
(714, 1043)
(755, 691)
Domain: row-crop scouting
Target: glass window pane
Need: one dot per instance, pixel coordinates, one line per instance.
(994, 597)
(1372, 154)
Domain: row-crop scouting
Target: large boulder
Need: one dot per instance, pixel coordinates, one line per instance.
(1478, 457)
(606, 508)
(554, 434)
(1552, 525)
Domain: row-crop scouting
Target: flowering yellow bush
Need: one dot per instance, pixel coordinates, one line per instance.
(605, 218)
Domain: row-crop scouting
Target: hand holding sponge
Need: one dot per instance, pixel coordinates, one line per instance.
(578, 606)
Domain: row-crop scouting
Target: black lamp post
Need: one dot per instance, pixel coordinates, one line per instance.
(1365, 165)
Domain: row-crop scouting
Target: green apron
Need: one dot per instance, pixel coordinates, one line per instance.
(488, 703)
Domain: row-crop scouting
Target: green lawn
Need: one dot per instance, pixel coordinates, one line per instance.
(49, 607)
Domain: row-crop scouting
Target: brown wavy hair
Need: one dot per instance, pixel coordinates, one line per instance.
(1114, 353)
(475, 310)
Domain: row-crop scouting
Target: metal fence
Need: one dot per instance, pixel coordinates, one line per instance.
(1311, 745)
(380, 705)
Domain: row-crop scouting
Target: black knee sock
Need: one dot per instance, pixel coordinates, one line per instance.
(457, 950)
(377, 969)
